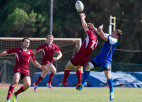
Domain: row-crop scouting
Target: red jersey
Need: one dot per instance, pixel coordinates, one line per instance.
(22, 59)
(48, 52)
(89, 44)
(83, 55)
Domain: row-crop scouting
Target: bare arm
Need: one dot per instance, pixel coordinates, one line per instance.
(102, 35)
(91, 26)
(35, 63)
(58, 57)
(4, 53)
(84, 24)
(35, 52)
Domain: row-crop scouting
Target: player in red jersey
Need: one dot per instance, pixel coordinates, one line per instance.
(48, 56)
(83, 55)
(21, 68)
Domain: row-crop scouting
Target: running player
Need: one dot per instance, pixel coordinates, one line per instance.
(21, 70)
(104, 58)
(82, 56)
(48, 56)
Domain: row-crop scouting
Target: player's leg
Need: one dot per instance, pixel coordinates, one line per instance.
(110, 83)
(68, 67)
(44, 72)
(15, 81)
(27, 84)
(78, 74)
(49, 80)
(88, 67)
(53, 71)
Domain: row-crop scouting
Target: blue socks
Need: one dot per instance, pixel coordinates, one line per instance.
(110, 83)
(85, 76)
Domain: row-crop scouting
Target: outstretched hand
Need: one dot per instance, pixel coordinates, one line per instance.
(55, 58)
(101, 27)
(91, 26)
(82, 15)
(43, 67)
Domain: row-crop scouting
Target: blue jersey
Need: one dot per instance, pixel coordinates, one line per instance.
(104, 58)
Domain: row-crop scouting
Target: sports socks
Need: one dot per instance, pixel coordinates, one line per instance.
(10, 91)
(39, 80)
(19, 91)
(78, 74)
(110, 83)
(50, 77)
(85, 76)
(66, 74)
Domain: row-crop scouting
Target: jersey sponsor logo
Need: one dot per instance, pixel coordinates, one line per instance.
(20, 51)
(29, 53)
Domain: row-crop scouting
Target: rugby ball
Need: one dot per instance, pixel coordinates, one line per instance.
(79, 6)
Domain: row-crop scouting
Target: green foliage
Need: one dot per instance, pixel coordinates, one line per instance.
(20, 23)
(66, 21)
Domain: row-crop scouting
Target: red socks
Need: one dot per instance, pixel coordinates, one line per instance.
(66, 74)
(39, 80)
(19, 91)
(10, 91)
(50, 77)
(78, 74)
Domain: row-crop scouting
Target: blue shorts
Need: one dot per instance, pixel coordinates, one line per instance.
(97, 61)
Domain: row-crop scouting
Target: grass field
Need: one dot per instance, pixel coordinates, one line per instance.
(70, 94)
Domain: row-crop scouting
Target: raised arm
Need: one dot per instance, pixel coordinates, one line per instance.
(102, 35)
(84, 24)
(91, 26)
(4, 53)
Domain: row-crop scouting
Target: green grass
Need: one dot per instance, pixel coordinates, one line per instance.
(70, 94)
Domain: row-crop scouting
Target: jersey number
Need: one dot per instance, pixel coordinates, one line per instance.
(94, 44)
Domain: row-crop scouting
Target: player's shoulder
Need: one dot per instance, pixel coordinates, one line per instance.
(55, 45)
(29, 50)
(88, 31)
(17, 48)
(106, 34)
(43, 44)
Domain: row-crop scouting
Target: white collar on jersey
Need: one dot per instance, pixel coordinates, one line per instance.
(49, 45)
(24, 49)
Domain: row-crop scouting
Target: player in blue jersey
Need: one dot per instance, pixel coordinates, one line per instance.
(104, 58)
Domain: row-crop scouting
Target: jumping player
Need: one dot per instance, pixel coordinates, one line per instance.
(48, 56)
(104, 58)
(83, 55)
(21, 70)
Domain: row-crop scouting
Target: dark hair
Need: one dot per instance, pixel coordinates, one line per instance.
(119, 32)
(24, 39)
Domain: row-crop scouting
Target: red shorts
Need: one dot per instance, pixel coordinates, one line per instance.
(22, 72)
(46, 62)
(79, 59)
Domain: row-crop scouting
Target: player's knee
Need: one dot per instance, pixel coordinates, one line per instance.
(46, 69)
(15, 82)
(54, 71)
(108, 74)
(89, 66)
(27, 86)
